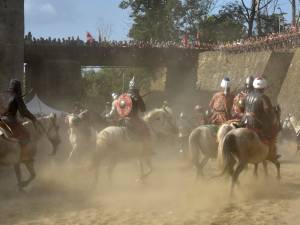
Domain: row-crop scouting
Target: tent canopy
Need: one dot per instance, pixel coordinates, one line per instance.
(36, 106)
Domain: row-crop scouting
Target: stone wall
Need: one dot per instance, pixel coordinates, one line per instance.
(11, 40)
(213, 66)
(289, 96)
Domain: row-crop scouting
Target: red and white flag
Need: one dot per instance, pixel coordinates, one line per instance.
(89, 38)
(197, 42)
(185, 40)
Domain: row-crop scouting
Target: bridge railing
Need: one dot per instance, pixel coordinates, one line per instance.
(282, 41)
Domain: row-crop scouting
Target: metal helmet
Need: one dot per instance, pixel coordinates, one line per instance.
(114, 95)
(132, 84)
(225, 83)
(260, 83)
(249, 81)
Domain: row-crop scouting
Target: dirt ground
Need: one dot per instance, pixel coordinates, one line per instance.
(63, 195)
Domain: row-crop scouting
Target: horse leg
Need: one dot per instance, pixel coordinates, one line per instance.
(255, 173)
(235, 176)
(148, 162)
(201, 166)
(18, 173)
(265, 164)
(110, 169)
(277, 164)
(30, 167)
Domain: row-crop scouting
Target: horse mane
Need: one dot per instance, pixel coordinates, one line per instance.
(157, 111)
(223, 130)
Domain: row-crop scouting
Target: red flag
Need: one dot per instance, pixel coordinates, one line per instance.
(89, 38)
(185, 40)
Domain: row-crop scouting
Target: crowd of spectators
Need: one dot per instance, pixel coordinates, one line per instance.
(272, 41)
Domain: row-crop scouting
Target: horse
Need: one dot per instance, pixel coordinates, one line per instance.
(114, 142)
(243, 146)
(82, 132)
(203, 141)
(10, 149)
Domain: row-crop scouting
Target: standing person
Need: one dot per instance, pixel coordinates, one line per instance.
(259, 112)
(238, 107)
(221, 104)
(9, 121)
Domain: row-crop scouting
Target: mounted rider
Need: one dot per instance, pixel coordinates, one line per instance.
(113, 114)
(185, 126)
(221, 104)
(199, 118)
(128, 106)
(10, 106)
(259, 113)
(238, 107)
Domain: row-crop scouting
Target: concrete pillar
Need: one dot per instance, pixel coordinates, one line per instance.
(58, 82)
(11, 40)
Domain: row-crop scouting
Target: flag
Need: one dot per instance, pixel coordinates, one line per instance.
(197, 42)
(89, 38)
(185, 40)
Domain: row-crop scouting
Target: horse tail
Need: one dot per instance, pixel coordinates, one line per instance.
(194, 146)
(226, 148)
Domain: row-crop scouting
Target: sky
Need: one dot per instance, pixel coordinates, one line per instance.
(64, 18)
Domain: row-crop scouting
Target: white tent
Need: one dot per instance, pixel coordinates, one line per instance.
(36, 106)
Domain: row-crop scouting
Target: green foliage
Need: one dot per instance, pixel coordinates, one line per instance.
(99, 85)
(169, 20)
(227, 25)
(154, 19)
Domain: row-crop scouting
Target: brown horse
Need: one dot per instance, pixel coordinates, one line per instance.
(242, 146)
(10, 149)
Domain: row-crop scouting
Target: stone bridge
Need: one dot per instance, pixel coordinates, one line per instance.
(54, 70)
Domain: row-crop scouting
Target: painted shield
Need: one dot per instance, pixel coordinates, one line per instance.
(124, 105)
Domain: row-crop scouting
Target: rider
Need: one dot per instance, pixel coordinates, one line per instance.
(185, 126)
(9, 121)
(259, 112)
(200, 118)
(238, 107)
(134, 122)
(221, 104)
(113, 115)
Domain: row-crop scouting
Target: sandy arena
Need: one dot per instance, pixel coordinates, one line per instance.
(169, 197)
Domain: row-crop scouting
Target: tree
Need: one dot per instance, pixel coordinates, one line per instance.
(154, 19)
(250, 12)
(227, 25)
(194, 13)
(98, 85)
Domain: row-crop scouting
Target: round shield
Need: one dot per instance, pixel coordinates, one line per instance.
(124, 105)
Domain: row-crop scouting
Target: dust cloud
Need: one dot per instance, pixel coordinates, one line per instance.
(62, 194)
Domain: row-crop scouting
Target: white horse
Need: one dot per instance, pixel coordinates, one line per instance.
(10, 150)
(82, 133)
(114, 143)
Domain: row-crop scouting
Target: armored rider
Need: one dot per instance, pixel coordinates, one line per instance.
(113, 114)
(238, 107)
(10, 122)
(259, 113)
(135, 123)
(221, 104)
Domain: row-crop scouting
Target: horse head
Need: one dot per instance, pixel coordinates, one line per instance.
(161, 121)
(48, 126)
